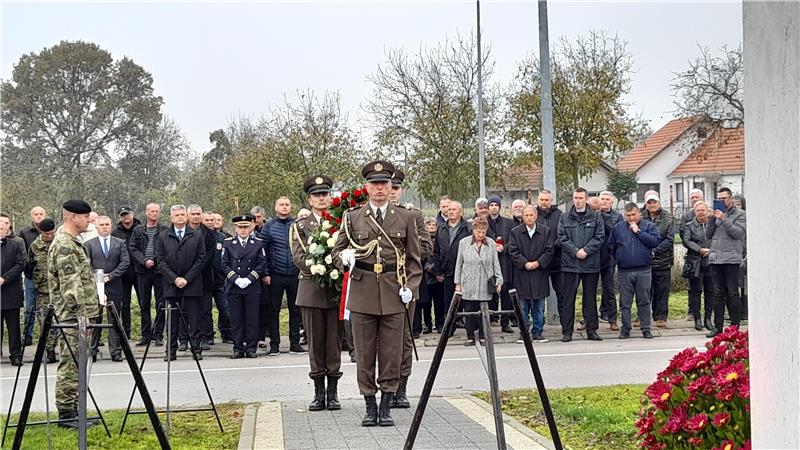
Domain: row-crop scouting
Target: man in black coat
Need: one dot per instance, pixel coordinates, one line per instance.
(219, 292)
(581, 232)
(549, 215)
(500, 230)
(124, 230)
(531, 246)
(663, 255)
(608, 299)
(109, 254)
(13, 258)
(181, 257)
(445, 248)
(244, 261)
(143, 257)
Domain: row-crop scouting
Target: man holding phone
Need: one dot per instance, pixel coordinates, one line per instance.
(727, 230)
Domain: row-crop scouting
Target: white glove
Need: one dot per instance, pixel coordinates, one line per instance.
(348, 257)
(405, 295)
(246, 282)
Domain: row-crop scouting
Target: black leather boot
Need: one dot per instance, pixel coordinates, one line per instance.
(371, 417)
(384, 411)
(698, 324)
(318, 404)
(709, 324)
(400, 400)
(332, 395)
(67, 419)
(51, 357)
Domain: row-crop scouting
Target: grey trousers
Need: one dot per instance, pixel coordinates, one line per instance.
(635, 282)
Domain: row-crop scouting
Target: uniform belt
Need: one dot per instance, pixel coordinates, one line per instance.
(371, 267)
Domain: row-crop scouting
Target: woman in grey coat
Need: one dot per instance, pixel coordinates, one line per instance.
(477, 261)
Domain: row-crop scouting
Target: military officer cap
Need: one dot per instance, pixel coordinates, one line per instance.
(125, 209)
(398, 178)
(244, 220)
(378, 171)
(47, 225)
(318, 184)
(77, 206)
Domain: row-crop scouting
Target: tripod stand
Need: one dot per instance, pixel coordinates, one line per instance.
(491, 369)
(168, 309)
(82, 326)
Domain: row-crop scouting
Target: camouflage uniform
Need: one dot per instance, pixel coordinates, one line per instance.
(38, 259)
(73, 293)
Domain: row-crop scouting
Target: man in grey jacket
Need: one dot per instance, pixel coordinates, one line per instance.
(727, 231)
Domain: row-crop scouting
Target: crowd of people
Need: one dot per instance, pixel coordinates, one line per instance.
(191, 265)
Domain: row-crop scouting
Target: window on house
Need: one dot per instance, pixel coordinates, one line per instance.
(641, 188)
(679, 192)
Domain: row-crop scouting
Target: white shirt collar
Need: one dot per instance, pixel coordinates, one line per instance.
(531, 230)
(376, 208)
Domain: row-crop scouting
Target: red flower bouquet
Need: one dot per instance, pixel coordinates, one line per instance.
(702, 399)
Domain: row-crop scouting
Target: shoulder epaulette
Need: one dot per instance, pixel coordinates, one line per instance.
(229, 238)
(257, 238)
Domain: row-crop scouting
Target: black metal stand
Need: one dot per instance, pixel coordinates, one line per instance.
(167, 310)
(80, 361)
(491, 369)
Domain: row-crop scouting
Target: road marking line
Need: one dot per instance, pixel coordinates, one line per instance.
(481, 416)
(302, 366)
(269, 426)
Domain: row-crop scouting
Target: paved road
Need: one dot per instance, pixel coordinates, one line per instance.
(284, 378)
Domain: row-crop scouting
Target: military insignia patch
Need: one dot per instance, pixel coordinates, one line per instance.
(378, 167)
(69, 270)
(65, 251)
(219, 245)
(319, 180)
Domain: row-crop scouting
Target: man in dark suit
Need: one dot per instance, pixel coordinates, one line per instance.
(195, 213)
(445, 250)
(181, 255)
(109, 254)
(500, 231)
(244, 261)
(13, 258)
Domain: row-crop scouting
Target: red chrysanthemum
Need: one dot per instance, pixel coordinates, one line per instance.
(729, 374)
(698, 384)
(675, 422)
(726, 445)
(726, 394)
(696, 441)
(645, 423)
(659, 393)
(696, 423)
(721, 419)
(678, 360)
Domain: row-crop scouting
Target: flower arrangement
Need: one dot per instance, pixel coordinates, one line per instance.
(321, 242)
(702, 399)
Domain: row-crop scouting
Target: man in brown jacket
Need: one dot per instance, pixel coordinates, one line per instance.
(379, 244)
(318, 306)
(426, 248)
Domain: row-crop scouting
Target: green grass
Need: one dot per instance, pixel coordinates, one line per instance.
(678, 306)
(189, 431)
(590, 418)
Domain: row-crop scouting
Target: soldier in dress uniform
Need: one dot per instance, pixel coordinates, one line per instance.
(318, 306)
(74, 294)
(426, 249)
(244, 262)
(379, 244)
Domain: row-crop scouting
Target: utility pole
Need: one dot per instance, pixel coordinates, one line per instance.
(481, 149)
(548, 146)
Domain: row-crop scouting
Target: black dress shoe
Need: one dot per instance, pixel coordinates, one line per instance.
(708, 323)
(205, 346)
(384, 410)
(297, 348)
(427, 330)
(624, 334)
(171, 357)
(566, 338)
(142, 343)
(116, 358)
(698, 324)
(713, 333)
(28, 341)
(415, 336)
(16, 362)
(507, 329)
(251, 355)
(198, 355)
(647, 334)
(237, 355)
(593, 336)
(371, 417)
(182, 347)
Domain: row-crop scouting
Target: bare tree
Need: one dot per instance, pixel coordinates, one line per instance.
(712, 87)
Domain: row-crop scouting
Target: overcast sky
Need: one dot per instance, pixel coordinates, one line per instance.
(214, 61)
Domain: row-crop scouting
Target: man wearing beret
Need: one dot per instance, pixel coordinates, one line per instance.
(244, 263)
(37, 264)
(318, 306)
(74, 294)
(426, 248)
(379, 244)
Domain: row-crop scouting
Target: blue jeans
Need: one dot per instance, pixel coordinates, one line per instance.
(532, 309)
(30, 306)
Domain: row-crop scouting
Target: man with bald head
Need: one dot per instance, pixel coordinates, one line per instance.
(28, 235)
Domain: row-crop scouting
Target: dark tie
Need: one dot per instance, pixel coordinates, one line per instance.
(180, 235)
(379, 216)
(244, 243)
(105, 247)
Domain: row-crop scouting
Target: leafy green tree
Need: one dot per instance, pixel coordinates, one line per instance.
(424, 112)
(69, 106)
(591, 122)
(622, 184)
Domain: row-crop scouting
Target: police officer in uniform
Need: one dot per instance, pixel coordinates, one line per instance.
(74, 294)
(379, 244)
(318, 306)
(426, 248)
(244, 262)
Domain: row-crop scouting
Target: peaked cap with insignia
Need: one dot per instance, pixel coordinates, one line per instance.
(317, 184)
(378, 171)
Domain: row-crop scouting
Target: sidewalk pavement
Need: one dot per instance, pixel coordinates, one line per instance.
(677, 327)
(463, 422)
